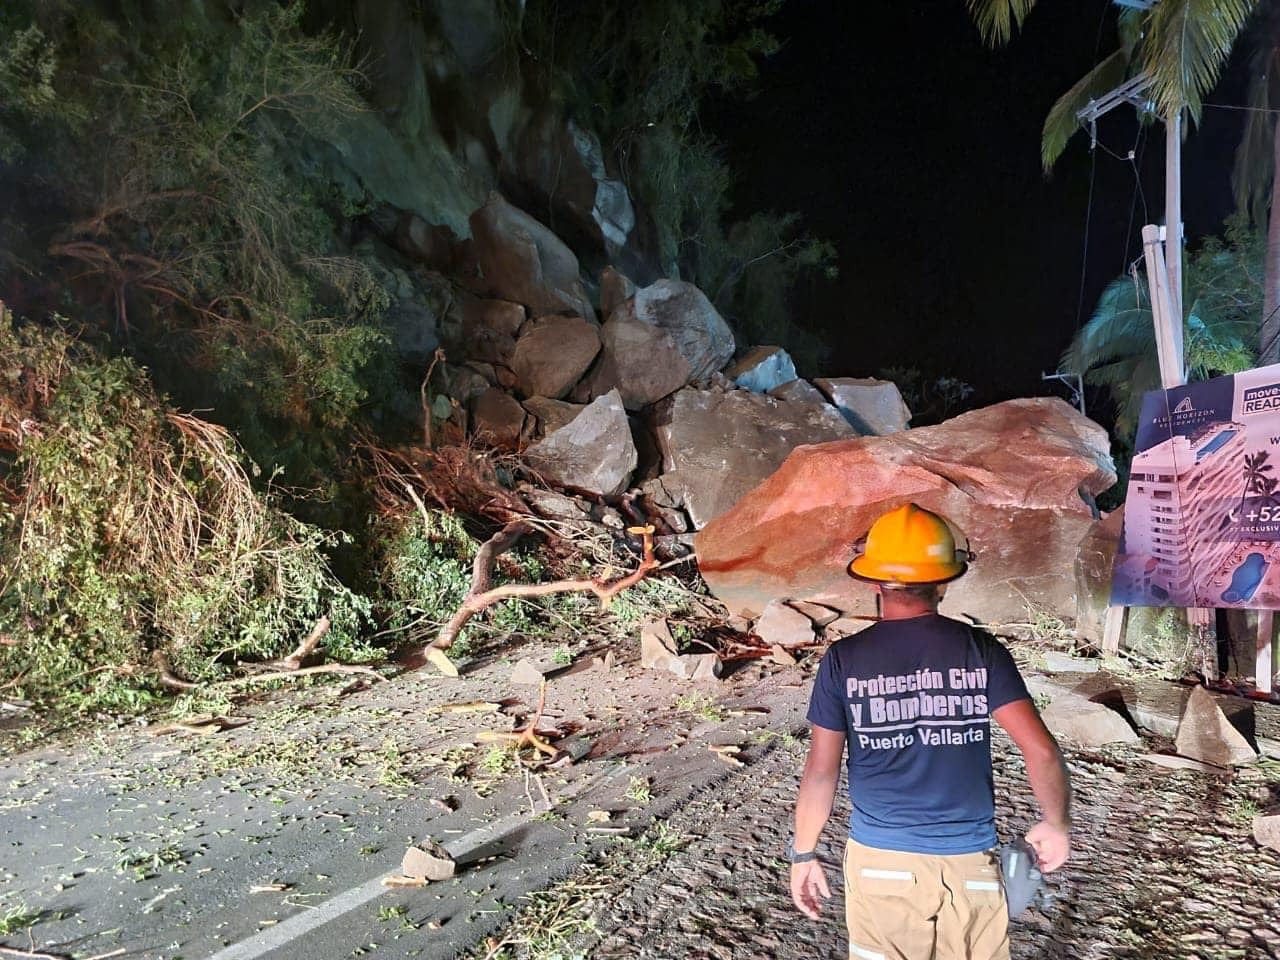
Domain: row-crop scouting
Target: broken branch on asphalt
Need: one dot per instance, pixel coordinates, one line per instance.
(528, 735)
(481, 595)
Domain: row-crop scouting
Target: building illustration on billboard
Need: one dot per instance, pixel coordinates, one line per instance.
(1202, 514)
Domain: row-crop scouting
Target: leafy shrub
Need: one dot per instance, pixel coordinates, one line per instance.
(128, 529)
(426, 568)
(164, 169)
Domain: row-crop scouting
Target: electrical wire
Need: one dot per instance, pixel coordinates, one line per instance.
(1093, 164)
(1084, 253)
(1135, 161)
(1233, 106)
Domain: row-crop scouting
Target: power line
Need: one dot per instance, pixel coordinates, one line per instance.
(1093, 163)
(1235, 106)
(1084, 253)
(1134, 162)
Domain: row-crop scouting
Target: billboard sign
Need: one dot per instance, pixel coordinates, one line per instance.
(1202, 514)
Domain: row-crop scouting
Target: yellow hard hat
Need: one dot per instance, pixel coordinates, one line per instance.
(910, 545)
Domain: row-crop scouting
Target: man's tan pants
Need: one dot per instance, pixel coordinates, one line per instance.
(912, 906)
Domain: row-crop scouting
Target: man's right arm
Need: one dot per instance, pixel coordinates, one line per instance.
(1047, 772)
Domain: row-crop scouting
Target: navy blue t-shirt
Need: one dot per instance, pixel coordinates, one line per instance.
(914, 698)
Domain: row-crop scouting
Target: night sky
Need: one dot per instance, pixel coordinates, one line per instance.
(900, 137)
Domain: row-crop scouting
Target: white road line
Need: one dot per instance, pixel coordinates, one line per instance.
(302, 923)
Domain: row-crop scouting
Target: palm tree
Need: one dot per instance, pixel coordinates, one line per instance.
(1180, 45)
(1256, 186)
(1116, 349)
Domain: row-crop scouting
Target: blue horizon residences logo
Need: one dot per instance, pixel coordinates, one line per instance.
(1261, 399)
(1186, 411)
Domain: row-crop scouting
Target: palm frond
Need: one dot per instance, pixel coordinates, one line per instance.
(1255, 156)
(1186, 45)
(1116, 349)
(1062, 123)
(1131, 25)
(1144, 378)
(998, 19)
(1121, 324)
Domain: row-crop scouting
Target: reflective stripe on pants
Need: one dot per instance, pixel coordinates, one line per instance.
(914, 906)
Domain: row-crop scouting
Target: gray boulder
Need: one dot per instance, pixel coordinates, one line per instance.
(639, 360)
(1266, 830)
(524, 261)
(682, 310)
(594, 452)
(818, 615)
(762, 369)
(1094, 561)
(615, 290)
(798, 391)
(489, 330)
(658, 651)
(1086, 723)
(716, 446)
(1205, 733)
(873, 407)
(783, 626)
(413, 329)
(500, 316)
(560, 166)
(843, 627)
(461, 383)
(552, 353)
(552, 414)
(1055, 661)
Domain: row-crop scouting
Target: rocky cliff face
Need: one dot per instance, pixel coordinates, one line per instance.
(564, 343)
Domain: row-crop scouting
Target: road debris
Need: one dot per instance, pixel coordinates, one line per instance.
(428, 861)
(528, 735)
(728, 752)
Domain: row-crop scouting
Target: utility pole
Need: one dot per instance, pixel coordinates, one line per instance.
(1164, 277)
(1173, 219)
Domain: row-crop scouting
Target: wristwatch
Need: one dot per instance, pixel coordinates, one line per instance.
(795, 856)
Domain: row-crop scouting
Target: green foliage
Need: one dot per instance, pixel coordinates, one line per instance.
(1062, 122)
(1254, 170)
(1185, 44)
(136, 530)
(1180, 45)
(931, 400)
(997, 20)
(198, 223)
(1116, 349)
(426, 569)
(17, 918)
(639, 74)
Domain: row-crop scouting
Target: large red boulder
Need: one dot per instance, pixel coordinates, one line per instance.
(1009, 477)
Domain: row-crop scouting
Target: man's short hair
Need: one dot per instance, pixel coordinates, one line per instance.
(920, 591)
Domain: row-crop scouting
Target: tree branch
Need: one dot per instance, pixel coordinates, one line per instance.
(294, 660)
(481, 596)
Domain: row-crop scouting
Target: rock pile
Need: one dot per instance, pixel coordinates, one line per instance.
(644, 396)
(645, 400)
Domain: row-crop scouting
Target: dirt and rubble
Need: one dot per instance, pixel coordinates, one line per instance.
(285, 836)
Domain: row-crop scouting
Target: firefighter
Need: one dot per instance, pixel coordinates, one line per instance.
(913, 696)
